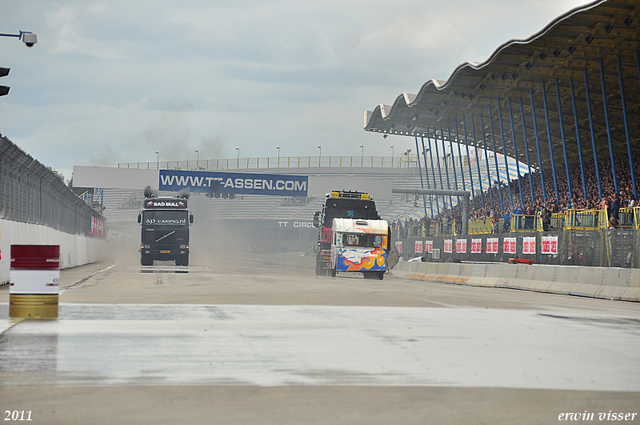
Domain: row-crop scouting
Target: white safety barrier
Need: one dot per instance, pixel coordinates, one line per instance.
(75, 250)
(596, 282)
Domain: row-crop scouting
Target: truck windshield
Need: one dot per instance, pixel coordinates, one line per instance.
(362, 240)
(165, 226)
(165, 218)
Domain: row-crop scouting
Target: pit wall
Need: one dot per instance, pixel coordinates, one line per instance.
(596, 282)
(75, 250)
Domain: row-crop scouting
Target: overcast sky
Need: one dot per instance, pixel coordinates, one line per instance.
(116, 81)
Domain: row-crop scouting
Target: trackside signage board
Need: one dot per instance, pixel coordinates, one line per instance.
(237, 183)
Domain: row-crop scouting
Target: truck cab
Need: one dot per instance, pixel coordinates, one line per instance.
(339, 204)
(360, 246)
(165, 231)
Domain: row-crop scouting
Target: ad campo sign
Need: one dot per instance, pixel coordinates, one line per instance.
(237, 183)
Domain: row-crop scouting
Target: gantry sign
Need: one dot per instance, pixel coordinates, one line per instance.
(568, 92)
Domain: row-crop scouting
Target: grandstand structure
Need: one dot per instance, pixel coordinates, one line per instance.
(567, 97)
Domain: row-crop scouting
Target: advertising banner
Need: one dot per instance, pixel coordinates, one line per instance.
(429, 246)
(529, 245)
(97, 227)
(448, 246)
(476, 246)
(509, 246)
(492, 245)
(399, 246)
(550, 245)
(419, 247)
(236, 183)
(461, 246)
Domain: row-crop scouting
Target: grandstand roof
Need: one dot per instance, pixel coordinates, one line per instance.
(573, 54)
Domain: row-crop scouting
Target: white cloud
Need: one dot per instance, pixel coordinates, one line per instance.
(117, 80)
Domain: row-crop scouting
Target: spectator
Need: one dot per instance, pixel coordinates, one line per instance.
(615, 206)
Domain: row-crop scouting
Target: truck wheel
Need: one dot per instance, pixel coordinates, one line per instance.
(333, 272)
(146, 261)
(319, 271)
(380, 275)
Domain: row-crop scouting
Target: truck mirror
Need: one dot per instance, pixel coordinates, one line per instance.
(191, 218)
(139, 218)
(316, 219)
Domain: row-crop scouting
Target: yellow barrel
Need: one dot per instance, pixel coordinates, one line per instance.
(33, 306)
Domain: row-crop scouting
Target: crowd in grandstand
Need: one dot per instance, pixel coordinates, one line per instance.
(487, 206)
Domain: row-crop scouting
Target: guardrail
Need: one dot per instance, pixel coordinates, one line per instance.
(522, 223)
(481, 226)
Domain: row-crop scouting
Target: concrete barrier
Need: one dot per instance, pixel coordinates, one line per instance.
(565, 281)
(595, 282)
(477, 274)
(544, 277)
(507, 276)
(524, 278)
(494, 271)
(75, 250)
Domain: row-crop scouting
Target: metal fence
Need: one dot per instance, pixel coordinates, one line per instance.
(400, 161)
(31, 193)
(600, 248)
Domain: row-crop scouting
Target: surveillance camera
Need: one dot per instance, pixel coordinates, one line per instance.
(29, 39)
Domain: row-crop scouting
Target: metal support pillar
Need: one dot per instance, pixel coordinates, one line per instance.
(526, 150)
(446, 166)
(606, 119)
(546, 116)
(475, 147)
(564, 141)
(495, 158)
(626, 127)
(466, 143)
(444, 202)
(433, 170)
(460, 155)
(575, 119)
(535, 132)
(424, 202)
(486, 160)
(515, 151)
(453, 161)
(504, 152)
(593, 133)
(465, 203)
(424, 155)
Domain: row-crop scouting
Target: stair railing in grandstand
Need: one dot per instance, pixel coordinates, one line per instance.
(481, 226)
(445, 229)
(603, 218)
(636, 217)
(523, 223)
(626, 218)
(583, 219)
(557, 221)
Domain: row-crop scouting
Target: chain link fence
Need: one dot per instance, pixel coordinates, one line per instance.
(31, 193)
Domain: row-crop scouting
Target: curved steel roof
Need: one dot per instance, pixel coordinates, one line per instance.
(525, 89)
